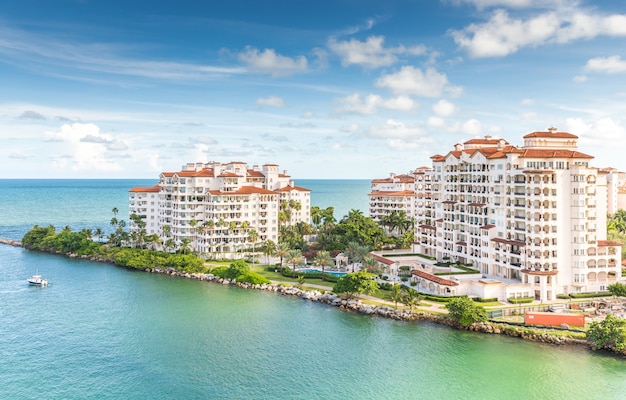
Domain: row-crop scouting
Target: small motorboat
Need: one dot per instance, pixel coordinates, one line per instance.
(37, 280)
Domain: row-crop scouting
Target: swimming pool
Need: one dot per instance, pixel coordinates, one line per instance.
(333, 273)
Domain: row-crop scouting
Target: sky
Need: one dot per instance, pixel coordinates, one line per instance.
(329, 89)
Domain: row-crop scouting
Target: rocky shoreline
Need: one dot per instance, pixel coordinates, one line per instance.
(355, 305)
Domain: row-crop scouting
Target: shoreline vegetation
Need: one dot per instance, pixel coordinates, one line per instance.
(467, 316)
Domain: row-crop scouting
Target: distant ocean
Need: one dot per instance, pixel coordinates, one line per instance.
(88, 203)
(107, 333)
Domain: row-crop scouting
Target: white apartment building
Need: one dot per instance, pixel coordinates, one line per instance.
(216, 206)
(396, 193)
(533, 218)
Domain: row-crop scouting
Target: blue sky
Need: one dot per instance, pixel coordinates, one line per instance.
(326, 89)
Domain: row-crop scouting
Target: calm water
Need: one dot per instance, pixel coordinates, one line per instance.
(102, 332)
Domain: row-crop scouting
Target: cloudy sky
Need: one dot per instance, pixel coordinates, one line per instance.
(325, 88)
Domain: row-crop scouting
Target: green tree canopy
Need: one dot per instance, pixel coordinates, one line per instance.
(356, 283)
(609, 333)
(356, 227)
(465, 311)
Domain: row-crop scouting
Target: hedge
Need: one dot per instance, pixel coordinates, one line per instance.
(520, 300)
(563, 297)
(589, 294)
(485, 300)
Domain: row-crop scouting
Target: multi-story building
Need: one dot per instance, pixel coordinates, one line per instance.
(532, 217)
(396, 193)
(215, 206)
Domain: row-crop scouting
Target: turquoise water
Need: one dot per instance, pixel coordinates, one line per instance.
(319, 270)
(102, 332)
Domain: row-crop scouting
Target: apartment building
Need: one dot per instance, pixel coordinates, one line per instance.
(216, 206)
(531, 217)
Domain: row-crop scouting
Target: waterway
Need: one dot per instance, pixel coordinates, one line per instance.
(103, 332)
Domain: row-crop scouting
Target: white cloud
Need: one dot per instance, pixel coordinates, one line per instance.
(352, 128)
(502, 35)
(371, 53)
(272, 101)
(413, 81)
(444, 108)
(472, 127)
(436, 122)
(87, 146)
(608, 65)
(604, 131)
(580, 78)
(371, 103)
(396, 129)
(528, 102)
(482, 4)
(269, 62)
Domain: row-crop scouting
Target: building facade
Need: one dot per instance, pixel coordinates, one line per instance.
(533, 217)
(220, 208)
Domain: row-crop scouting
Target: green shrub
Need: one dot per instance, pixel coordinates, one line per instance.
(520, 300)
(219, 271)
(589, 294)
(253, 278)
(404, 268)
(485, 300)
(563, 296)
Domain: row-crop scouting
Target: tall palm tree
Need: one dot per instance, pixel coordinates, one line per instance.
(370, 264)
(323, 259)
(281, 251)
(253, 236)
(294, 258)
(396, 293)
(193, 223)
(269, 248)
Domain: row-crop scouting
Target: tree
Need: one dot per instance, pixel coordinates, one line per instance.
(465, 311)
(185, 245)
(322, 259)
(411, 297)
(609, 333)
(396, 294)
(294, 258)
(253, 236)
(269, 248)
(617, 289)
(281, 251)
(355, 227)
(356, 283)
(370, 264)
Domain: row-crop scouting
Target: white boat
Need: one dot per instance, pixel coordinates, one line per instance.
(37, 280)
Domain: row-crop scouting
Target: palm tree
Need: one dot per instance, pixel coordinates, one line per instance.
(411, 297)
(294, 258)
(370, 264)
(396, 294)
(193, 223)
(253, 236)
(99, 233)
(185, 245)
(169, 244)
(322, 259)
(269, 248)
(281, 251)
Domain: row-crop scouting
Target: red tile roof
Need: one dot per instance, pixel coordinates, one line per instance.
(560, 135)
(243, 190)
(292, 188)
(383, 260)
(401, 193)
(551, 153)
(153, 189)
(434, 278)
(608, 243)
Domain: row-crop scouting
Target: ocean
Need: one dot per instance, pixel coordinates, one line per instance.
(103, 332)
